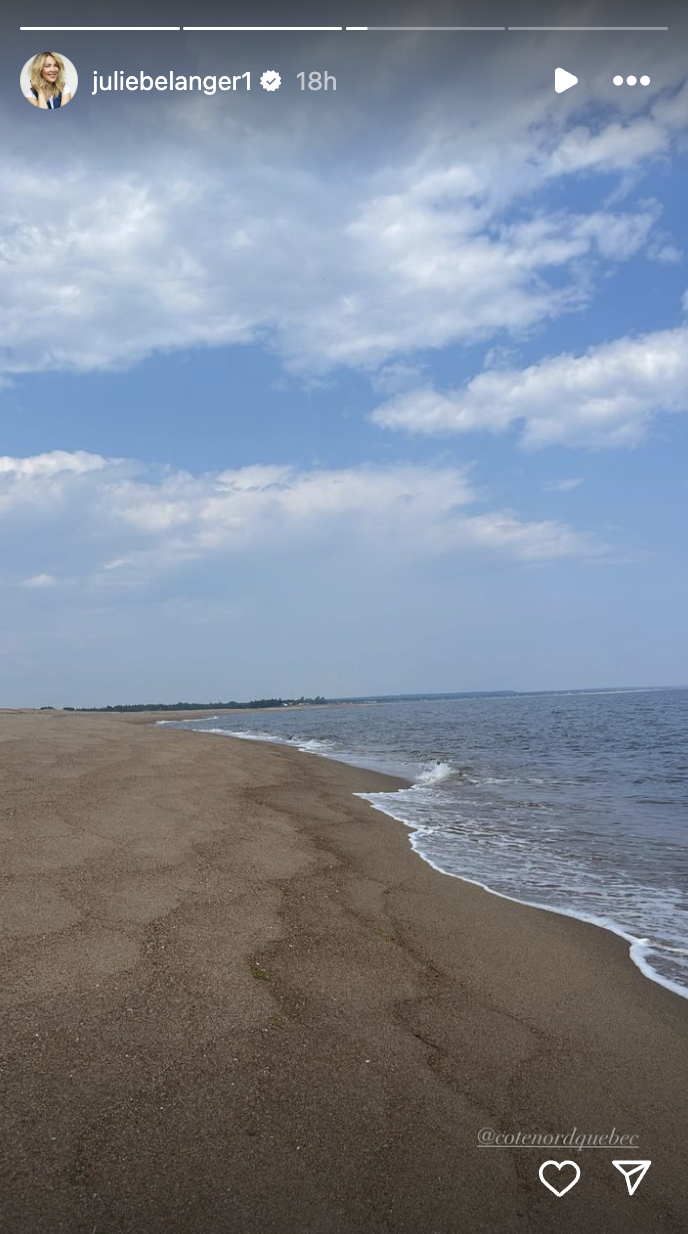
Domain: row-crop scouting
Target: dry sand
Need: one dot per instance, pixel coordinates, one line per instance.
(233, 999)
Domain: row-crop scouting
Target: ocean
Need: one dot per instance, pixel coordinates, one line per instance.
(574, 802)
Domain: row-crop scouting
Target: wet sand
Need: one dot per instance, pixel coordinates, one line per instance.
(233, 999)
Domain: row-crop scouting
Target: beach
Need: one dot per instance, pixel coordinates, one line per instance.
(233, 998)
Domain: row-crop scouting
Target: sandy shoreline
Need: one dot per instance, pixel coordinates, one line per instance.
(233, 998)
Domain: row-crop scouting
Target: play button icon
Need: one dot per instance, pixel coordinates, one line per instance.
(563, 80)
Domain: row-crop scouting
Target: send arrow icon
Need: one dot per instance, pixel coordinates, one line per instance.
(634, 1172)
(563, 80)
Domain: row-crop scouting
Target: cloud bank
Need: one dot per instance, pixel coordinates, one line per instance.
(84, 520)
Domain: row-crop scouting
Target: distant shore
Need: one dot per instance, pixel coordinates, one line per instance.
(234, 999)
(205, 713)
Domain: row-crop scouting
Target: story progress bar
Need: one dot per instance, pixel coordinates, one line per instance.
(331, 29)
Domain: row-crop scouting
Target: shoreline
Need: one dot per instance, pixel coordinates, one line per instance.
(635, 945)
(233, 998)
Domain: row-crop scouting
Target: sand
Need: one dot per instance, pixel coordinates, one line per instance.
(233, 999)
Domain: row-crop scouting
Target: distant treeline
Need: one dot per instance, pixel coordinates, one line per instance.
(255, 702)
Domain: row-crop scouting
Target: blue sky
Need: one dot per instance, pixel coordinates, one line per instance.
(378, 392)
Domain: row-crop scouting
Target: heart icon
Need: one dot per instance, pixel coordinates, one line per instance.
(559, 1165)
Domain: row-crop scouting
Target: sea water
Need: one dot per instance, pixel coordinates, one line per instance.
(574, 802)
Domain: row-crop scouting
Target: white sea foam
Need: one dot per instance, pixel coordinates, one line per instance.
(307, 745)
(438, 772)
(313, 746)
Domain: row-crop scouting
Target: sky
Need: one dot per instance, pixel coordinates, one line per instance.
(373, 391)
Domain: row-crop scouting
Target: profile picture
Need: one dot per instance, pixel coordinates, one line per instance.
(49, 80)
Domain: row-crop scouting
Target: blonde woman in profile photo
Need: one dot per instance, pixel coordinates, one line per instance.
(48, 79)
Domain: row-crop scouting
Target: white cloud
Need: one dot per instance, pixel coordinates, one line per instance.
(120, 523)
(54, 463)
(563, 486)
(44, 480)
(529, 541)
(606, 397)
(40, 580)
(614, 147)
(392, 378)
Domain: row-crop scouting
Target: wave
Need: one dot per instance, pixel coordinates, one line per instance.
(307, 745)
(437, 773)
